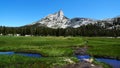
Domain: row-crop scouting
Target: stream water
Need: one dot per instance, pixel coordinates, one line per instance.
(112, 62)
(23, 54)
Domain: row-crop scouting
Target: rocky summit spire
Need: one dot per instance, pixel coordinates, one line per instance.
(56, 20)
(60, 13)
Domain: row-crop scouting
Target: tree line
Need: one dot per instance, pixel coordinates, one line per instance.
(85, 30)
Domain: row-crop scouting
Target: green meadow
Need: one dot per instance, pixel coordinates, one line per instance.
(47, 46)
(104, 47)
(55, 50)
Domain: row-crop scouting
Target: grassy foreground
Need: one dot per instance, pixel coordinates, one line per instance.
(54, 49)
(47, 46)
(104, 47)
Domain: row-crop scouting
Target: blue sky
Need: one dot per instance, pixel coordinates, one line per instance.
(22, 12)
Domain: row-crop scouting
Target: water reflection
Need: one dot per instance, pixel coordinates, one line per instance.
(112, 62)
(23, 54)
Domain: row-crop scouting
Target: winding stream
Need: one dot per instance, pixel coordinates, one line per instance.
(112, 62)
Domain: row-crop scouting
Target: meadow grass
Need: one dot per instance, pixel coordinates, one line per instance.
(104, 47)
(17, 61)
(54, 49)
(47, 46)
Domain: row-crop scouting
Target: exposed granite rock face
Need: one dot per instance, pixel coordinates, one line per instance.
(58, 20)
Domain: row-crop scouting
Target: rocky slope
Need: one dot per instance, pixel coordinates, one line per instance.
(58, 20)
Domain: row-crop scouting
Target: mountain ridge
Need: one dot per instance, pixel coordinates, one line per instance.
(58, 20)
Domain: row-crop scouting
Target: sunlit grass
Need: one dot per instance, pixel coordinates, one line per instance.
(104, 46)
(54, 50)
(17, 61)
(48, 46)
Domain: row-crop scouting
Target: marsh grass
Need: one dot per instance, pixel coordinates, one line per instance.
(48, 46)
(104, 47)
(17, 61)
(54, 50)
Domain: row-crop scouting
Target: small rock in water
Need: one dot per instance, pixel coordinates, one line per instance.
(92, 65)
